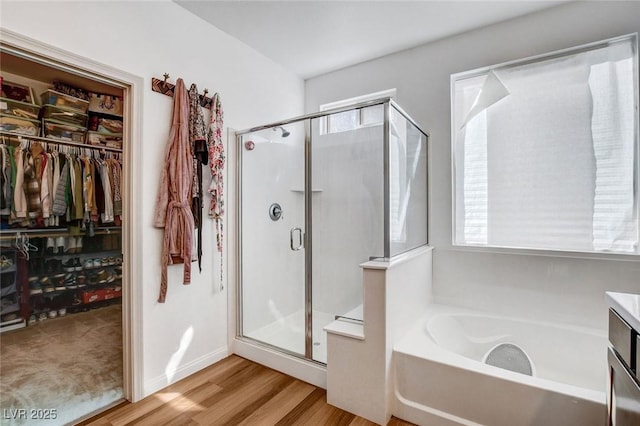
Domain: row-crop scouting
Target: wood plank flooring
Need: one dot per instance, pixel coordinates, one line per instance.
(234, 391)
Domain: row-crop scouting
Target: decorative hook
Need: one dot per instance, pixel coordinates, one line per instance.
(205, 92)
(166, 77)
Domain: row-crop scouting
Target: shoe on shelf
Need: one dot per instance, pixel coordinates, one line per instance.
(78, 244)
(42, 316)
(62, 312)
(69, 265)
(81, 280)
(5, 262)
(53, 266)
(77, 264)
(53, 314)
(58, 279)
(51, 247)
(60, 244)
(49, 267)
(34, 286)
(92, 278)
(71, 245)
(60, 286)
(70, 281)
(102, 274)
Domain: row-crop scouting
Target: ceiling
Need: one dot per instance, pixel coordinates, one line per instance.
(311, 38)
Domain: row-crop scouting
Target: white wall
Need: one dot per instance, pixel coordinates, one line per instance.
(148, 39)
(545, 287)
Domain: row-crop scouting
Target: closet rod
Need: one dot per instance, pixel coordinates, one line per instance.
(57, 141)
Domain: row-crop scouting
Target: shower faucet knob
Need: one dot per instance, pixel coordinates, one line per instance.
(275, 212)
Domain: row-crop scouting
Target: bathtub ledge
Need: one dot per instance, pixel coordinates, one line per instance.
(346, 329)
(396, 260)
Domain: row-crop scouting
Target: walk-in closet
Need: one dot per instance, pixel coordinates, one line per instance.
(62, 145)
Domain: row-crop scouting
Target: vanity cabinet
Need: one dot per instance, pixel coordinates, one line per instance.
(623, 396)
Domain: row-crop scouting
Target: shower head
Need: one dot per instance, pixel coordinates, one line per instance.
(284, 131)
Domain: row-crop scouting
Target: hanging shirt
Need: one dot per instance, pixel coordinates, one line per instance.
(198, 139)
(60, 199)
(45, 195)
(19, 196)
(107, 215)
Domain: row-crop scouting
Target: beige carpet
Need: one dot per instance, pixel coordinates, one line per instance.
(72, 364)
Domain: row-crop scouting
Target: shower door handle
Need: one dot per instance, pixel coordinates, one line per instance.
(300, 243)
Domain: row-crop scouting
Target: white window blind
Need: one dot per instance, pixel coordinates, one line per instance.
(546, 152)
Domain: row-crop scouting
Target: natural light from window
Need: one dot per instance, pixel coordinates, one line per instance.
(545, 151)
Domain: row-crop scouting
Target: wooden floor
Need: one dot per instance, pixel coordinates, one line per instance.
(234, 391)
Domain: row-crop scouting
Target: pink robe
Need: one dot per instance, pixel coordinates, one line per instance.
(173, 206)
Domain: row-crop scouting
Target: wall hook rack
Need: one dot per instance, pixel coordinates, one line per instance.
(166, 88)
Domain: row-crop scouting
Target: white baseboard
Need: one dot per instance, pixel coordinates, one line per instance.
(158, 383)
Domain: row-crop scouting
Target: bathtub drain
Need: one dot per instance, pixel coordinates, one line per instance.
(510, 357)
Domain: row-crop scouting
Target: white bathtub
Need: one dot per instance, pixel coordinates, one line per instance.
(440, 378)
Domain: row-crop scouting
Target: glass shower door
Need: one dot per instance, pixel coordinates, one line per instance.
(272, 240)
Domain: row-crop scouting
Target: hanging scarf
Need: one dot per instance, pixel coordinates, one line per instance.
(198, 138)
(173, 212)
(216, 166)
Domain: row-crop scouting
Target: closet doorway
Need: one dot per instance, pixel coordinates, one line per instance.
(68, 321)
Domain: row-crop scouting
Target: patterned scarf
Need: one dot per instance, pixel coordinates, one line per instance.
(216, 166)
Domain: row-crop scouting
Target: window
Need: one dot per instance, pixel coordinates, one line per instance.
(353, 119)
(545, 151)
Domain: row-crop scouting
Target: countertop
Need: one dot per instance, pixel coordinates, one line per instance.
(627, 305)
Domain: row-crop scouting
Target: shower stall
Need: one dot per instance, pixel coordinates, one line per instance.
(318, 195)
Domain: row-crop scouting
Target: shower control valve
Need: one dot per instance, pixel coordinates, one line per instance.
(275, 212)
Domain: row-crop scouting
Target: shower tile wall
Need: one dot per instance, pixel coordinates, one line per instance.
(347, 213)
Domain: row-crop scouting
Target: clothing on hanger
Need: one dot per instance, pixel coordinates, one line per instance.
(216, 166)
(173, 210)
(198, 139)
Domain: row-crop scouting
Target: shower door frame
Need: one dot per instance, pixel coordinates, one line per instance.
(387, 103)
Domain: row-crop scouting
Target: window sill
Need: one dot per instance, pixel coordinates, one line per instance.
(624, 257)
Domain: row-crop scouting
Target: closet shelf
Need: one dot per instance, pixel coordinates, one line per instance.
(12, 324)
(7, 234)
(57, 141)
